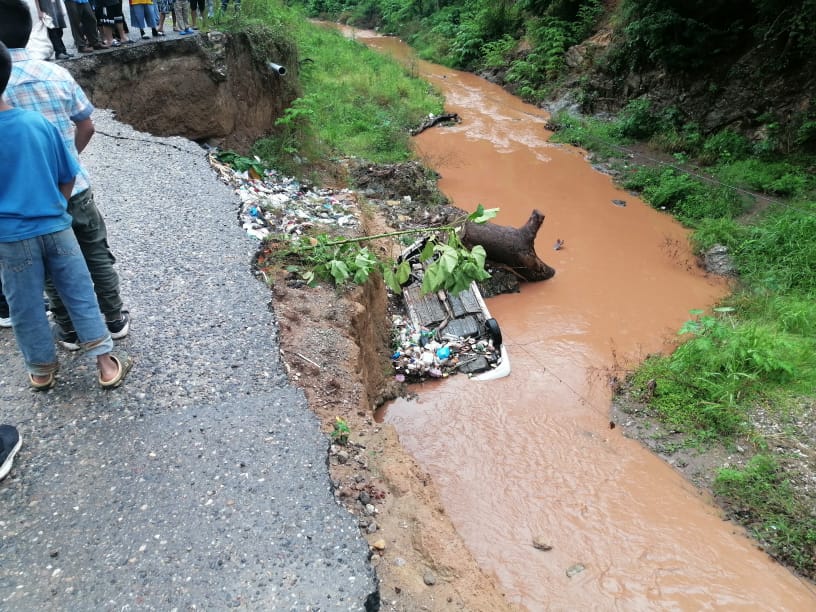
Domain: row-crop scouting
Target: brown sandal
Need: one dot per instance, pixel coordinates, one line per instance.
(43, 386)
(125, 363)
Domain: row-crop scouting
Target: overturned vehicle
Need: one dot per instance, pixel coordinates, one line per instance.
(440, 333)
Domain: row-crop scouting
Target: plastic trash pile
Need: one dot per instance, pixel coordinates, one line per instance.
(277, 205)
(421, 354)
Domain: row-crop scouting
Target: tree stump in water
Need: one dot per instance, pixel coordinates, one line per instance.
(513, 247)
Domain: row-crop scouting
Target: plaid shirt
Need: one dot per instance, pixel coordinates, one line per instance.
(51, 90)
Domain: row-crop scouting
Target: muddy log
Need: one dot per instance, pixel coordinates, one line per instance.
(513, 247)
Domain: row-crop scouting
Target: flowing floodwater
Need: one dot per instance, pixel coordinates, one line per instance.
(533, 455)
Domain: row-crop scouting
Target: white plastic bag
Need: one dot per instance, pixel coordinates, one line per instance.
(39, 46)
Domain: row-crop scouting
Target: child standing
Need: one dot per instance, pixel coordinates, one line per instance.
(37, 175)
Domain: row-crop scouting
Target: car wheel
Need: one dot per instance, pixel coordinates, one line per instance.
(492, 326)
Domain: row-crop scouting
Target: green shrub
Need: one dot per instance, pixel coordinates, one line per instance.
(356, 101)
(683, 139)
(702, 388)
(681, 405)
(683, 195)
(779, 253)
(723, 147)
(806, 135)
(707, 203)
(772, 177)
(590, 133)
(636, 120)
(496, 52)
(721, 230)
(792, 313)
(767, 503)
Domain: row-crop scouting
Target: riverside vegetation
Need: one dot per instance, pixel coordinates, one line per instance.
(745, 370)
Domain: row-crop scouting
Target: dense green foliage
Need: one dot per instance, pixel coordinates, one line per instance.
(354, 102)
(528, 38)
(683, 35)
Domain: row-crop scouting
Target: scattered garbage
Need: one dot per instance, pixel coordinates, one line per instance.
(621, 203)
(441, 334)
(273, 204)
(559, 244)
(426, 353)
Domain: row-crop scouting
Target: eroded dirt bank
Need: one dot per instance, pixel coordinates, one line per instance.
(334, 347)
(213, 87)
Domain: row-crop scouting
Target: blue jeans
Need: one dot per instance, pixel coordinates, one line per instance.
(92, 235)
(23, 267)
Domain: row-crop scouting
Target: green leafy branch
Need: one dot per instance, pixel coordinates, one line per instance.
(449, 264)
(240, 162)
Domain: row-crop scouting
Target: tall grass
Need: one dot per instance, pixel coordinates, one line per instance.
(355, 102)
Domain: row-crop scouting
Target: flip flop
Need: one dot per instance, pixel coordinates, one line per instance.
(43, 386)
(125, 363)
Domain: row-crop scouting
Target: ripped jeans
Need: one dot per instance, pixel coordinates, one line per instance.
(24, 265)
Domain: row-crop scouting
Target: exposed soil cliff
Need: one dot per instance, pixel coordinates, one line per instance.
(214, 87)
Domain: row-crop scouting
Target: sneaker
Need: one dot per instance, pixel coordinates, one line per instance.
(66, 339)
(120, 327)
(5, 321)
(10, 443)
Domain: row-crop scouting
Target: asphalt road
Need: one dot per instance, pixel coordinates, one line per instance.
(202, 483)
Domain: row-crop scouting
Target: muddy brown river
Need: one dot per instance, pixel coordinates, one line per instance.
(533, 455)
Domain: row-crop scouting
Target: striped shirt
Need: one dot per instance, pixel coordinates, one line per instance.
(51, 90)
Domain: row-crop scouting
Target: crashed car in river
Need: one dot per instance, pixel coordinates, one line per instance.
(440, 333)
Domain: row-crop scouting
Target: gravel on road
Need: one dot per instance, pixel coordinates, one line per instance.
(202, 483)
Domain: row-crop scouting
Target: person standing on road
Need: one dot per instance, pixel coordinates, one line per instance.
(37, 173)
(84, 28)
(142, 16)
(109, 15)
(164, 8)
(52, 15)
(50, 89)
(39, 45)
(181, 20)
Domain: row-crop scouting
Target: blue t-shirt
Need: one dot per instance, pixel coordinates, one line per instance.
(33, 162)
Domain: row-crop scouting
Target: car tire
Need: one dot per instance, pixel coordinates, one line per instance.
(492, 326)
